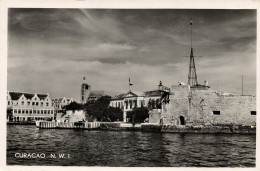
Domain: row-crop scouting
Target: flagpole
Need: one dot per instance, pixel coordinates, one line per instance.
(129, 85)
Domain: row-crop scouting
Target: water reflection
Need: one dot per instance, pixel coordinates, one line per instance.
(111, 148)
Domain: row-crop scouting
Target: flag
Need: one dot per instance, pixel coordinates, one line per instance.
(130, 82)
(191, 21)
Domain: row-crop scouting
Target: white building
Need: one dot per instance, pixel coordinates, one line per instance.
(29, 107)
(59, 103)
(128, 101)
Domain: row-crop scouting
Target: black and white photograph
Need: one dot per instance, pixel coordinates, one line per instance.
(131, 87)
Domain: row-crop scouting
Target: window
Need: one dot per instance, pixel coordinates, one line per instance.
(22, 102)
(130, 103)
(19, 111)
(44, 111)
(38, 111)
(22, 111)
(126, 104)
(35, 98)
(33, 103)
(36, 103)
(30, 111)
(34, 111)
(217, 112)
(41, 103)
(47, 104)
(8, 102)
(26, 111)
(15, 111)
(253, 112)
(28, 103)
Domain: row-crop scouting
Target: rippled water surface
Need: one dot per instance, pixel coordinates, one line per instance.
(110, 148)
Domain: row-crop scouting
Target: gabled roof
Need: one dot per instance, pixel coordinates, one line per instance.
(17, 95)
(152, 93)
(42, 96)
(28, 95)
(131, 94)
(119, 97)
(58, 100)
(68, 99)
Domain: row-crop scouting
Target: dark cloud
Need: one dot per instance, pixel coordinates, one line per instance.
(110, 45)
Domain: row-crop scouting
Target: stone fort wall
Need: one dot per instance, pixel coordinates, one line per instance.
(197, 106)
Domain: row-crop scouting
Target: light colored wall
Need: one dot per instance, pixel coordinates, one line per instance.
(155, 116)
(199, 109)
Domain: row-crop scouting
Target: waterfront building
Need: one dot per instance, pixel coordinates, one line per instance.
(200, 106)
(59, 103)
(152, 99)
(29, 107)
(130, 100)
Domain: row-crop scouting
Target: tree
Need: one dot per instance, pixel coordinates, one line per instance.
(73, 106)
(138, 115)
(98, 109)
(114, 114)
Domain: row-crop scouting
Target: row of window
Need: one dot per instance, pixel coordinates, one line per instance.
(35, 103)
(59, 106)
(130, 104)
(30, 111)
(217, 112)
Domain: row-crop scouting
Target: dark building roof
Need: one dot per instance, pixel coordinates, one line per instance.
(123, 95)
(42, 96)
(28, 96)
(17, 95)
(152, 93)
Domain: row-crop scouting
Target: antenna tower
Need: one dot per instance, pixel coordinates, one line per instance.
(192, 77)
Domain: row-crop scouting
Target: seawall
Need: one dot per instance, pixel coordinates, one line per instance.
(151, 127)
(221, 129)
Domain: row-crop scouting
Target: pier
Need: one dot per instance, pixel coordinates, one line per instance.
(112, 126)
(67, 125)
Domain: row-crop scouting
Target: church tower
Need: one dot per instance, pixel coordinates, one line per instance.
(85, 91)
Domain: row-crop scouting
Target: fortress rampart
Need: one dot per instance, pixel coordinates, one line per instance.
(205, 107)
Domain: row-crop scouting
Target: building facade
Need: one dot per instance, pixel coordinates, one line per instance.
(128, 101)
(29, 107)
(59, 103)
(204, 106)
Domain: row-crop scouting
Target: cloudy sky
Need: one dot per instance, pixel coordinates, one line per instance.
(50, 50)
